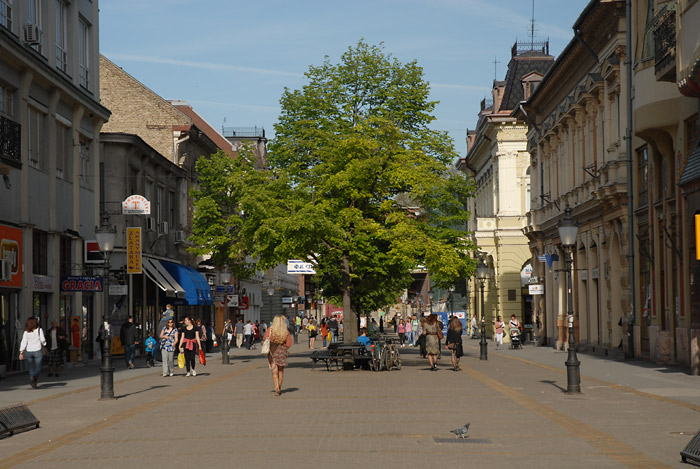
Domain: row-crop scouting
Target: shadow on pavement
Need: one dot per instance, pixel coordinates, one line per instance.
(286, 390)
(553, 383)
(52, 385)
(139, 392)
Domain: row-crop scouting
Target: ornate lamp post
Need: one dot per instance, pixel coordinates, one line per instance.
(482, 273)
(225, 278)
(450, 297)
(567, 233)
(106, 235)
(431, 295)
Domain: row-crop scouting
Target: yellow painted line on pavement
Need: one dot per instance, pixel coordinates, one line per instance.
(607, 445)
(620, 387)
(42, 449)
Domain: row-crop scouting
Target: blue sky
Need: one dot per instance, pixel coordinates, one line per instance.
(231, 60)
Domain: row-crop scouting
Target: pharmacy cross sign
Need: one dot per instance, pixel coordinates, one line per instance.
(136, 205)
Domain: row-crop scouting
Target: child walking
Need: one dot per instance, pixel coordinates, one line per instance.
(150, 350)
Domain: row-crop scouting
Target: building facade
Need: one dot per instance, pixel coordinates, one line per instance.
(50, 121)
(498, 160)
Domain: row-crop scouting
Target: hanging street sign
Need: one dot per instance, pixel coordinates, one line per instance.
(136, 205)
(300, 267)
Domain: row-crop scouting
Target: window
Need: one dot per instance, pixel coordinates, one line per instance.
(642, 174)
(7, 100)
(171, 209)
(34, 21)
(64, 152)
(85, 170)
(6, 13)
(35, 139)
(61, 36)
(159, 204)
(39, 253)
(84, 53)
(149, 190)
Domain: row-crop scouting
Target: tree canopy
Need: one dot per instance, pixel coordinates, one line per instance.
(355, 180)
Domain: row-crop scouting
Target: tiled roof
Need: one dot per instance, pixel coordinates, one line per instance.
(691, 172)
(519, 66)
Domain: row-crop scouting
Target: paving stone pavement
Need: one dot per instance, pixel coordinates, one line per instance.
(630, 414)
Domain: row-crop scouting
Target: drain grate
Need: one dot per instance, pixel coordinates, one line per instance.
(483, 441)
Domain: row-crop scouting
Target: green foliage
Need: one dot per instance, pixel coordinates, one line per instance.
(355, 179)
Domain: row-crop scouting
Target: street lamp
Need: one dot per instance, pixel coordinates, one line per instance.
(431, 295)
(225, 279)
(450, 297)
(106, 235)
(567, 233)
(482, 273)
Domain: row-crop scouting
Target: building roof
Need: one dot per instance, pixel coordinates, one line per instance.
(691, 172)
(203, 125)
(521, 64)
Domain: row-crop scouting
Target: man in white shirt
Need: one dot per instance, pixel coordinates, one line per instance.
(248, 334)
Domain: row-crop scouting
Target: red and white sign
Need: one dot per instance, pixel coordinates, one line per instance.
(537, 289)
(136, 205)
(92, 253)
(11, 251)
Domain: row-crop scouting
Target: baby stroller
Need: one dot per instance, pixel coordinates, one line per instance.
(515, 341)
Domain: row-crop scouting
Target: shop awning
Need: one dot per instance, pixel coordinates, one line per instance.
(155, 271)
(197, 289)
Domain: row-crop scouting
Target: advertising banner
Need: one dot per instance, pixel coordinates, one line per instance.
(133, 251)
(11, 253)
(136, 205)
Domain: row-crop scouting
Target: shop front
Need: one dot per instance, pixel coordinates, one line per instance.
(10, 287)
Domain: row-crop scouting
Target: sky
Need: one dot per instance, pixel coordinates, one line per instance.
(231, 60)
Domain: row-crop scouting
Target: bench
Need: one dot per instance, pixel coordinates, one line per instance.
(326, 356)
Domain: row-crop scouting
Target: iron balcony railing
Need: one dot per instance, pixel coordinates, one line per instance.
(250, 132)
(665, 45)
(10, 141)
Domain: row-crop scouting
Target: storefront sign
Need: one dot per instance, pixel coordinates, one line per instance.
(86, 284)
(232, 301)
(300, 267)
(11, 252)
(92, 253)
(133, 251)
(136, 205)
(118, 290)
(536, 289)
(43, 283)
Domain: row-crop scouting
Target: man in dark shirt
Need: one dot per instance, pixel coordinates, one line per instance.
(333, 327)
(129, 338)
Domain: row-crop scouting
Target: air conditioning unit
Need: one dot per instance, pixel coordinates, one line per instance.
(5, 270)
(32, 34)
(163, 228)
(180, 236)
(151, 224)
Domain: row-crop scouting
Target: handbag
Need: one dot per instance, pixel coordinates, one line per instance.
(440, 335)
(265, 349)
(180, 360)
(202, 357)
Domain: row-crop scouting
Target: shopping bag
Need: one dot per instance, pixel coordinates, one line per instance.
(202, 357)
(180, 360)
(265, 349)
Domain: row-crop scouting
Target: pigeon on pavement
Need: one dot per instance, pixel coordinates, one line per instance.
(461, 432)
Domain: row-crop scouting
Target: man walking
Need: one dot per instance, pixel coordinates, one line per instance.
(248, 334)
(333, 328)
(239, 333)
(128, 336)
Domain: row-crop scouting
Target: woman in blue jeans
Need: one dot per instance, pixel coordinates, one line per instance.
(31, 349)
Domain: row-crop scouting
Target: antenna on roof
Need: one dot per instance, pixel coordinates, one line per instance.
(223, 125)
(495, 69)
(533, 28)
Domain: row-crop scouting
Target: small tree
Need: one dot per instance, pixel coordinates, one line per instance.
(356, 182)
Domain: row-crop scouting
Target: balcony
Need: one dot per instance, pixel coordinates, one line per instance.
(10, 144)
(665, 45)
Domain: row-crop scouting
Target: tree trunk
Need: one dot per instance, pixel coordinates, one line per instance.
(350, 332)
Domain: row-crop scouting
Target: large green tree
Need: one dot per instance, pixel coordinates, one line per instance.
(355, 180)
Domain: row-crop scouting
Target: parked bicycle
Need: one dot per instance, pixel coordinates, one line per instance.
(384, 355)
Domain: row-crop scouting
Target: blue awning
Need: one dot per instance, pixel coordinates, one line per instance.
(197, 289)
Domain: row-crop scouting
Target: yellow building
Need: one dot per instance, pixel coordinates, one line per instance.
(497, 158)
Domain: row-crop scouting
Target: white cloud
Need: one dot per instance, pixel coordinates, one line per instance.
(194, 64)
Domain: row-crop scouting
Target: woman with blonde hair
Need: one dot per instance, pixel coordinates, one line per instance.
(280, 341)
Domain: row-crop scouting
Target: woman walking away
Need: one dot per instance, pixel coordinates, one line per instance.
(500, 329)
(453, 341)
(31, 348)
(168, 342)
(57, 345)
(190, 336)
(409, 332)
(432, 343)
(312, 333)
(280, 341)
